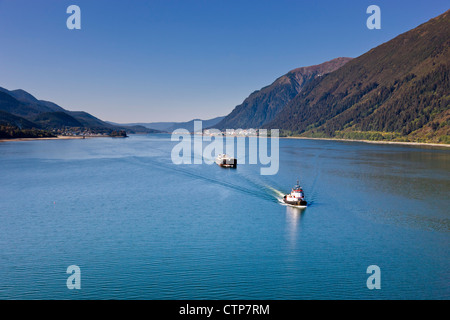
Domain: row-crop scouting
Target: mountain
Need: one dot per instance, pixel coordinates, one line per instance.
(263, 105)
(28, 105)
(397, 91)
(8, 119)
(189, 125)
(134, 128)
(162, 126)
(13, 127)
(25, 97)
(88, 120)
(52, 120)
(21, 109)
(11, 105)
(23, 104)
(171, 126)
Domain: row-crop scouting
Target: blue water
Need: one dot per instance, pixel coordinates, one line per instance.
(140, 227)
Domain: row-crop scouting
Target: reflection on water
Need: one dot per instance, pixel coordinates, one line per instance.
(293, 220)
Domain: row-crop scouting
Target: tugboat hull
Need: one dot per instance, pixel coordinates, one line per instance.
(298, 203)
(301, 203)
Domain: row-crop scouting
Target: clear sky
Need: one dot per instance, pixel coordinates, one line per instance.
(167, 60)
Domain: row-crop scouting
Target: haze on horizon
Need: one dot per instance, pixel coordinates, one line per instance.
(162, 60)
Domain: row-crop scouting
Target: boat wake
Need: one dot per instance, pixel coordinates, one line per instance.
(252, 186)
(255, 192)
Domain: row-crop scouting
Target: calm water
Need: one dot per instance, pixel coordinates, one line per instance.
(140, 227)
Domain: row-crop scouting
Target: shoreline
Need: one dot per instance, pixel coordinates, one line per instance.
(53, 138)
(376, 141)
(419, 144)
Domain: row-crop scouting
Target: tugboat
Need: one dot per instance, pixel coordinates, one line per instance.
(225, 161)
(296, 197)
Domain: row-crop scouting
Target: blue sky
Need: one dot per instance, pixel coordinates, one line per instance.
(165, 60)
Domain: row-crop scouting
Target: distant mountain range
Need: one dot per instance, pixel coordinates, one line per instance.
(263, 105)
(171, 126)
(20, 109)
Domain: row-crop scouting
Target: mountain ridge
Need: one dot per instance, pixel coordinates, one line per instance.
(21, 109)
(396, 91)
(261, 106)
(171, 126)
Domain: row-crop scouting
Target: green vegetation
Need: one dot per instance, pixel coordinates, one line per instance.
(8, 119)
(11, 132)
(56, 120)
(118, 134)
(368, 135)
